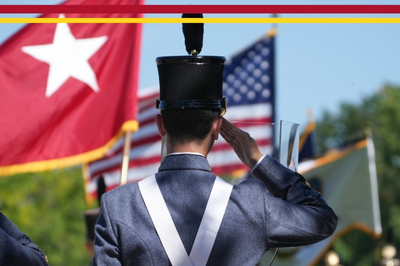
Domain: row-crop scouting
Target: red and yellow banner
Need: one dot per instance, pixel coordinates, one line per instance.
(67, 91)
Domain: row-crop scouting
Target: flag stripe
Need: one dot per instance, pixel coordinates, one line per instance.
(333, 20)
(211, 9)
(132, 164)
(147, 134)
(226, 146)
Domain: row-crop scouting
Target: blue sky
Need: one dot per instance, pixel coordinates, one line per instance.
(318, 66)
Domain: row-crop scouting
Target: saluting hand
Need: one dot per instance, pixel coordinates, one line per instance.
(242, 143)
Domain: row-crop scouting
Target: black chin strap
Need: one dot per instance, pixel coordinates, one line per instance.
(219, 104)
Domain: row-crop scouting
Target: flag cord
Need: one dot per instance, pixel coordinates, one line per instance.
(125, 158)
(273, 257)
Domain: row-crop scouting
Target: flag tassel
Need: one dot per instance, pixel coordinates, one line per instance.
(125, 158)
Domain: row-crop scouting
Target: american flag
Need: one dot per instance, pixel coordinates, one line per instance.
(249, 89)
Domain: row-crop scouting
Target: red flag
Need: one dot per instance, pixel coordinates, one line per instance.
(67, 91)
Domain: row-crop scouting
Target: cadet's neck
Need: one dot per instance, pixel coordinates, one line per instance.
(203, 148)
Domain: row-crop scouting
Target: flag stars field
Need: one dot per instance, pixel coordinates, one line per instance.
(248, 80)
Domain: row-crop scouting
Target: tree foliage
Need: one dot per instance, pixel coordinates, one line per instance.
(380, 113)
(48, 207)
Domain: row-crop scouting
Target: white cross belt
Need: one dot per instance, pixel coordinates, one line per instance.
(167, 231)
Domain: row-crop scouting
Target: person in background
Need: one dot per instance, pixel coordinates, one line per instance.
(16, 248)
(90, 217)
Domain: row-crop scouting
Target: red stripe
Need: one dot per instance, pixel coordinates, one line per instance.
(146, 105)
(142, 162)
(147, 102)
(94, 193)
(147, 140)
(132, 164)
(227, 169)
(243, 123)
(211, 9)
(148, 97)
(111, 187)
(134, 145)
(146, 122)
(225, 146)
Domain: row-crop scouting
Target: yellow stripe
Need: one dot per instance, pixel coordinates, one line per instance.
(68, 161)
(345, 230)
(336, 155)
(339, 154)
(200, 20)
(238, 173)
(86, 179)
(310, 127)
(272, 32)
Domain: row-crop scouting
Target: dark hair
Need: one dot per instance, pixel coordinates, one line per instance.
(188, 125)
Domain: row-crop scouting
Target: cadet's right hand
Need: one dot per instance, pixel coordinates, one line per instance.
(242, 143)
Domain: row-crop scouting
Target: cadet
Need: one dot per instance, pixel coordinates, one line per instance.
(184, 214)
(90, 217)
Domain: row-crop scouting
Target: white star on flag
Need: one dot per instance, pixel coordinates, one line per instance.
(67, 57)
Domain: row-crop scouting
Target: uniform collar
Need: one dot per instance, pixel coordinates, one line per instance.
(179, 153)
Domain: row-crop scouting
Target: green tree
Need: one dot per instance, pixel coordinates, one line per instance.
(48, 207)
(381, 114)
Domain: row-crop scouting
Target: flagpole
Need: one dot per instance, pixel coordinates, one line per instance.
(272, 34)
(125, 158)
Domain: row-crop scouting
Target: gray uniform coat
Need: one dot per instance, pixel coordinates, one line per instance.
(278, 210)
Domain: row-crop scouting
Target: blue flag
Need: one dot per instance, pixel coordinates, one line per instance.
(307, 143)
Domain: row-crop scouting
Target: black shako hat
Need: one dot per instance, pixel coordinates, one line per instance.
(191, 82)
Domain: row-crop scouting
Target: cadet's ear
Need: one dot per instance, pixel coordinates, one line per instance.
(160, 125)
(216, 128)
